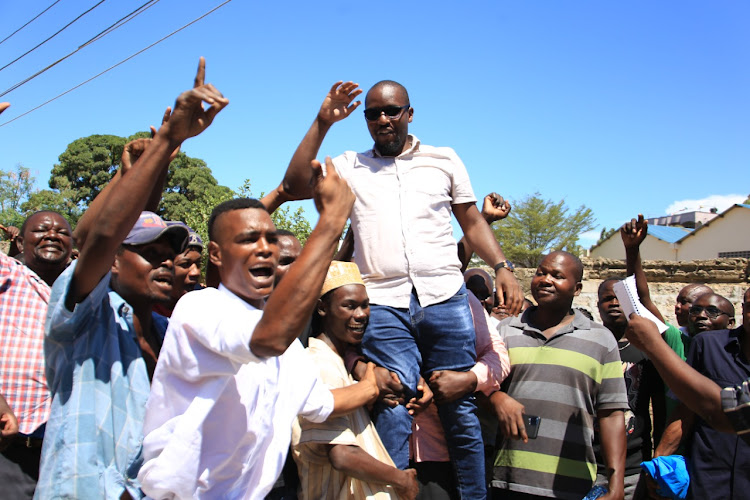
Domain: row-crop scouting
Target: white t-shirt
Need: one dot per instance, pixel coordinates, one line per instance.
(218, 420)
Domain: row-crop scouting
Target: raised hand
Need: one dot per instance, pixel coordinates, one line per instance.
(188, 118)
(4, 106)
(135, 148)
(338, 103)
(11, 232)
(331, 193)
(634, 232)
(495, 207)
(641, 332)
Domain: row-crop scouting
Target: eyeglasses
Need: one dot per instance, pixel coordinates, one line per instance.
(712, 312)
(372, 114)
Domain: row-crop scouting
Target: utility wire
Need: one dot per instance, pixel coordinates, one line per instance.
(31, 21)
(119, 63)
(120, 22)
(51, 37)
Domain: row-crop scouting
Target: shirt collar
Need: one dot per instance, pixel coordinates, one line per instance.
(580, 322)
(235, 297)
(413, 148)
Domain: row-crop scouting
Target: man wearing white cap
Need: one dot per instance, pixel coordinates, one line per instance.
(344, 456)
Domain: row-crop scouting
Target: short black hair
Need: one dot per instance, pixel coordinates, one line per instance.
(285, 232)
(576, 262)
(228, 206)
(603, 283)
(25, 222)
(390, 83)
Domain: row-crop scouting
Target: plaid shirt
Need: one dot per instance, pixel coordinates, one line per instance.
(23, 308)
(99, 385)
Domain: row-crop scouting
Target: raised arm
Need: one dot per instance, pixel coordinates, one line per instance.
(480, 237)
(633, 233)
(4, 106)
(336, 106)
(287, 311)
(695, 391)
(120, 209)
(494, 208)
(12, 232)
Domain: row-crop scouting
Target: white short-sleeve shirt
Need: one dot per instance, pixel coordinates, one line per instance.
(403, 237)
(218, 420)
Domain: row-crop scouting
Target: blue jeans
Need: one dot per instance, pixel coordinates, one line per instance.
(421, 340)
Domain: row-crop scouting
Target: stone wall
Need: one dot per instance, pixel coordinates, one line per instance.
(727, 277)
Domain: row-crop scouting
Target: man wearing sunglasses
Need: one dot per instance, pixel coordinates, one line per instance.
(717, 462)
(420, 320)
(710, 312)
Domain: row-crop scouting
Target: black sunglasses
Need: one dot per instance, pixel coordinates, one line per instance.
(372, 114)
(712, 312)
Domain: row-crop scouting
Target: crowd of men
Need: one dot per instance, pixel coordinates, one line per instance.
(383, 372)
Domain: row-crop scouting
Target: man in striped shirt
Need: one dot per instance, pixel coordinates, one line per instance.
(565, 369)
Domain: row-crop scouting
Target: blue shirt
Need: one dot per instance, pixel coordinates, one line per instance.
(718, 462)
(99, 385)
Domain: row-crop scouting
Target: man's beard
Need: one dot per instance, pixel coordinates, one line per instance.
(393, 148)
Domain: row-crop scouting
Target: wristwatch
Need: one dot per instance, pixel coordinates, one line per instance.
(504, 264)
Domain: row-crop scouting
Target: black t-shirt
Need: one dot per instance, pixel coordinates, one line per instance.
(641, 381)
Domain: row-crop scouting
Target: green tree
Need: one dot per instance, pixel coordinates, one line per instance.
(86, 166)
(191, 193)
(284, 217)
(537, 226)
(60, 202)
(15, 188)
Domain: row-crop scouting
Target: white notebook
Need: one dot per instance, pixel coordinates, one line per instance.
(627, 296)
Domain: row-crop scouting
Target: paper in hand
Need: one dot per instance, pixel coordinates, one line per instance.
(627, 296)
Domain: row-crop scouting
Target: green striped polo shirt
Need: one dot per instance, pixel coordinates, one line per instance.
(564, 380)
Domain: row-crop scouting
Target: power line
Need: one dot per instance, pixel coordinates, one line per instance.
(118, 64)
(31, 21)
(51, 37)
(120, 22)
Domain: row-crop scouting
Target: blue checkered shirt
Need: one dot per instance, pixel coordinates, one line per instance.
(99, 385)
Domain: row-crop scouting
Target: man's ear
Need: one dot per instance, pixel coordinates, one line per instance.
(579, 287)
(411, 114)
(320, 308)
(19, 243)
(116, 265)
(731, 323)
(214, 253)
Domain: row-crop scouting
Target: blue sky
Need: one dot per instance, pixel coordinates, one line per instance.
(624, 107)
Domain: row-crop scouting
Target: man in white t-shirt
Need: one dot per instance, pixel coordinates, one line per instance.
(231, 375)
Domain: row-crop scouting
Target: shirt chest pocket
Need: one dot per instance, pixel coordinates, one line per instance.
(429, 182)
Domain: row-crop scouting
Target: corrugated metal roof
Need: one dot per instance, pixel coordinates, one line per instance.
(670, 234)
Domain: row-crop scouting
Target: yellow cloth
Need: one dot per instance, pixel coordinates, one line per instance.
(318, 478)
(340, 274)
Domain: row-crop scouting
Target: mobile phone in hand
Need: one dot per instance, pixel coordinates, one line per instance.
(531, 422)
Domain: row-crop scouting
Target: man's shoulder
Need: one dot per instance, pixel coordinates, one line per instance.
(715, 338)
